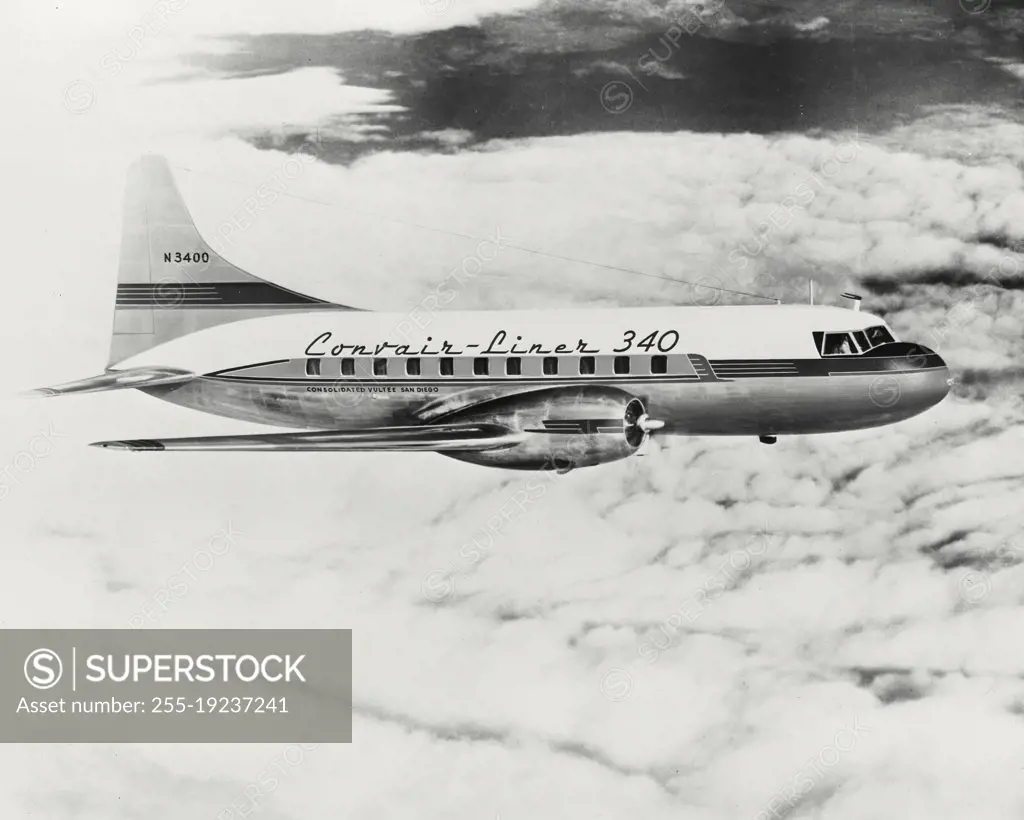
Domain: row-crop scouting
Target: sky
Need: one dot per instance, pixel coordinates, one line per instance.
(826, 627)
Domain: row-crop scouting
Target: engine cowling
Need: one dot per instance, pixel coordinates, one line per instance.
(559, 428)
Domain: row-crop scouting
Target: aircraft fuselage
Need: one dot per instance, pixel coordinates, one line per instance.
(702, 371)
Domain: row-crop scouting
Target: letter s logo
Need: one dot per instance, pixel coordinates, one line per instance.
(43, 669)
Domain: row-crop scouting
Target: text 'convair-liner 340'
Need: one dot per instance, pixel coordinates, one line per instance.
(531, 389)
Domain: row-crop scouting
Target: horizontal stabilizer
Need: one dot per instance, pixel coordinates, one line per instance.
(119, 380)
(430, 438)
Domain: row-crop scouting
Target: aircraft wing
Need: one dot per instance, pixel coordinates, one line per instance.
(428, 437)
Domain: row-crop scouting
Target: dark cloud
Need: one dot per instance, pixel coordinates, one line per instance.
(826, 625)
(565, 68)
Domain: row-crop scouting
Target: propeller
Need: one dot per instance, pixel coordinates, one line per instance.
(648, 426)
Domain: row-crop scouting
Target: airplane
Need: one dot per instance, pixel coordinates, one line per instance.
(552, 389)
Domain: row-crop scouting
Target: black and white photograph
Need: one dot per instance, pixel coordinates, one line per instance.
(498, 409)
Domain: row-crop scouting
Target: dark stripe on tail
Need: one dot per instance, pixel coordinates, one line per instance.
(171, 294)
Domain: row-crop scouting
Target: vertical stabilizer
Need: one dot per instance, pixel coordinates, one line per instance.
(170, 282)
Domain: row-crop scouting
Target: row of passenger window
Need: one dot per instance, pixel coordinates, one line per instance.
(497, 366)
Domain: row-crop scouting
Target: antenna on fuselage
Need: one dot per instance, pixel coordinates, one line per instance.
(810, 290)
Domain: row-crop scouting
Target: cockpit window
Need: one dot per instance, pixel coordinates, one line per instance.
(852, 342)
(838, 344)
(878, 335)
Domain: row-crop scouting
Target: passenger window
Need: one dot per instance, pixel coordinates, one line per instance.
(878, 335)
(312, 367)
(659, 364)
(348, 367)
(550, 366)
(380, 367)
(447, 367)
(837, 344)
(621, 366)
(587, 367)
(514, 366)
(412, 367)
(480, 367)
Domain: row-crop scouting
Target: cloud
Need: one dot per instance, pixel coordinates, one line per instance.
(737, 211)
(226, 17)
(794, 592)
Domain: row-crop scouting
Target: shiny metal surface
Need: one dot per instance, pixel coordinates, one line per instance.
(780, 405)
(119, 380)
(560, 428)
(433, 438)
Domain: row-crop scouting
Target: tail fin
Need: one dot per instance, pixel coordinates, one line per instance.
(170, 281)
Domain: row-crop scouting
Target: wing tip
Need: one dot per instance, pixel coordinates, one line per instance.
(38, 393)
(133, 445)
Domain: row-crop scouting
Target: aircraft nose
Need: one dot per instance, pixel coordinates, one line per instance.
(929, 379)
(944, 378)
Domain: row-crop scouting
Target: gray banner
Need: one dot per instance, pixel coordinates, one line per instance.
(176, 685)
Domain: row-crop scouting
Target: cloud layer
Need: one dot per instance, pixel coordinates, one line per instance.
(718, 629)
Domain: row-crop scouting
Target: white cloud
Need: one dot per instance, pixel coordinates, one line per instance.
(226, 17)
(491, 702)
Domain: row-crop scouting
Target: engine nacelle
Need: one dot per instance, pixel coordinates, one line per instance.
(559, 428)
